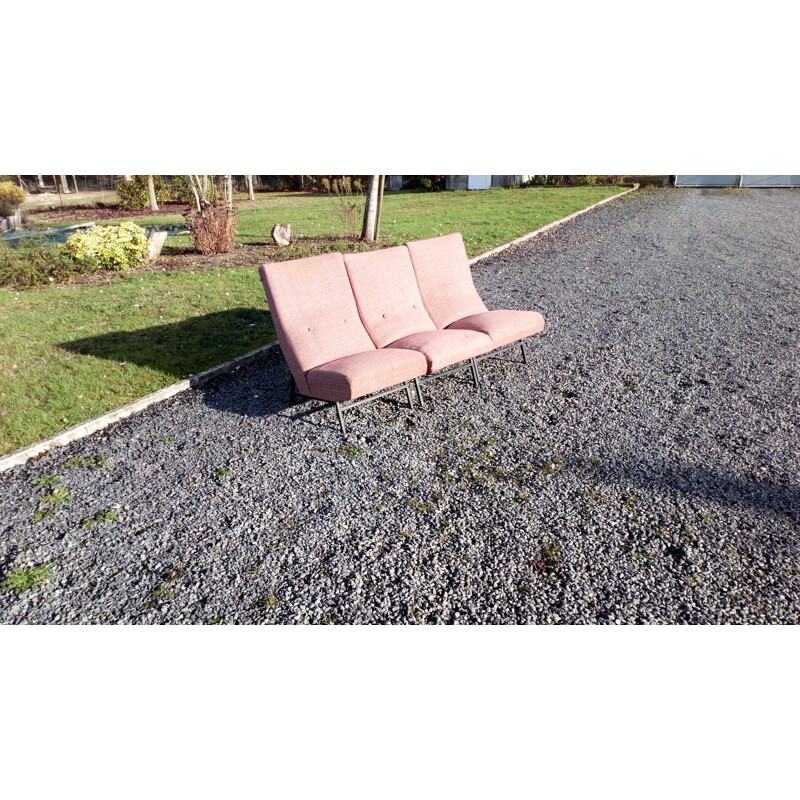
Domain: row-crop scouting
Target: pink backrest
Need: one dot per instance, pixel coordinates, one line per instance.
(314, 312)
(445, 279)
(387, 294)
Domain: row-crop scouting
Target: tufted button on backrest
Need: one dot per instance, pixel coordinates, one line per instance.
(315, 288)
(387, 294)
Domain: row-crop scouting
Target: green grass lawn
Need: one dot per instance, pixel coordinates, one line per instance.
(68, 353)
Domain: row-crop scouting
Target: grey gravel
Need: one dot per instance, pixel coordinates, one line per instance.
(644, 468)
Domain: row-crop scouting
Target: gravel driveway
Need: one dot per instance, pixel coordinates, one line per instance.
(644, 468)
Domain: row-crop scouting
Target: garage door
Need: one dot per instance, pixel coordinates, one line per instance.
(479, 181)
(751, 181)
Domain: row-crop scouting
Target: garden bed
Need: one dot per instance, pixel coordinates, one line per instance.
(87, 213)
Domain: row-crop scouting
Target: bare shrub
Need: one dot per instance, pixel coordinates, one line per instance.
(348, 202)
(213, 229)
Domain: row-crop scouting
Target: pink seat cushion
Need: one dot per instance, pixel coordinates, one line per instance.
(503, 326)
(445, 348)
(314, 312)
(445, 279)
(361, 374)
(387, 294)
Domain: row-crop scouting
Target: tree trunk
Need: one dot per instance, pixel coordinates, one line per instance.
(194, 183)
(64, 185)
(75, 182)
(40, 181)
(250, 193)
(380, 208)
(229, 192)
(371, 209)
(151, 193)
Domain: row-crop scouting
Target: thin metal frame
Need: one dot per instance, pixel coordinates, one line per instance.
(342, 406)
(471, 364)
(520, 344)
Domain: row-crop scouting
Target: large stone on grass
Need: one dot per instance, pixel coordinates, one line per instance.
(282, 235)
(156, 241)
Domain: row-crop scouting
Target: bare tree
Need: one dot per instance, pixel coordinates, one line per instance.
(250, 193)
(229, 191)
(197, 190)
(199, 186)
(151, 193)
(371, 209)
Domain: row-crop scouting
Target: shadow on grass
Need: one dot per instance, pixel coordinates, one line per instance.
(183, 348)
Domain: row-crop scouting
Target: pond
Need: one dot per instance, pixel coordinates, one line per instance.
(60, 235)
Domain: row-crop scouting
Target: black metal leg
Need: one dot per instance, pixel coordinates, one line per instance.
(408, 395)
(419, 393)
(474, 364)
(524, 352)
(292, 389)
(341, 419)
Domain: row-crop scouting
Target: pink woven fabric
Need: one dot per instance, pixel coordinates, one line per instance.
(503, 326)
(445, 348)
(387, 294)
(361, 374)
(445, 279)
(314, 312)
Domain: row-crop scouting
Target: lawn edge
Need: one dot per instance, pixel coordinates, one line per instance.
(550, 225)
(101, 421)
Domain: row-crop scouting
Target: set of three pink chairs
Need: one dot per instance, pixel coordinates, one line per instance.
(358, 327)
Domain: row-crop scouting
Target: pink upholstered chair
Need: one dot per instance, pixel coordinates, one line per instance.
(393, 312)
(329, 352)
(445, 281)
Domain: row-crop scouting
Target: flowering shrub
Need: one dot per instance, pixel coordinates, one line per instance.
(11, 197)
(110, 246)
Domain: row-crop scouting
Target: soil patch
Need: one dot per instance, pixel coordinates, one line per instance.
(100, 212)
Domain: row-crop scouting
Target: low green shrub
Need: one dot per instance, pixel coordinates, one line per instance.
(322, 183)
(428, 183)
(109, 246)
(133, 193)
(11, 198)
(35, 262)
(572, 180)
(178, 190)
